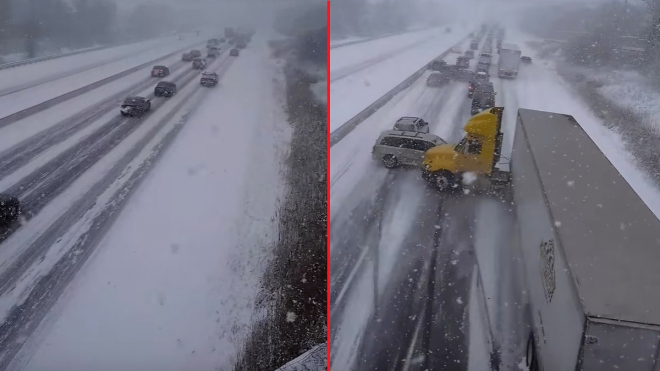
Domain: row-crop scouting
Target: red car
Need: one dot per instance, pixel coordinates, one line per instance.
(160, 71)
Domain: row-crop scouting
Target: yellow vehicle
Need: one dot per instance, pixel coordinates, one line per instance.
(473, 161)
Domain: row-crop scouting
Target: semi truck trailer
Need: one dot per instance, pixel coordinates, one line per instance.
(508, 61)
(590, 246)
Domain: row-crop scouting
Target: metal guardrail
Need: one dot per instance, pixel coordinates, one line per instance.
(342, 131)
(314, 359)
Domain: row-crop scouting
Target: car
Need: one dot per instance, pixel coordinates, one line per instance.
(222, 40)
(485, 54)
(213, 53)
(10, 209)
(437, 65)
(411, 124)
(233, 52)
(437, 79)
(160, 71)
(403, 148)
(526, 59)
(478, 79)
(135, 106)
(165, 89)
(195, 53)
(463, 62)
(457, 49)
(469, 54)
(241, 45)
(179, 37)
(464, 74)
(209, 79)
(199, 64)
(474, 44)
(484, 98)
(187, 57)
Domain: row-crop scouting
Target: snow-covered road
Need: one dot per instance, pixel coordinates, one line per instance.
(393, 240)
(74, 163)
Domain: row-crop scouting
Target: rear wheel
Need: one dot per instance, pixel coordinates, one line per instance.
(390, 161)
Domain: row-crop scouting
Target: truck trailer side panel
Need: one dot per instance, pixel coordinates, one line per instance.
(558, 319)
(605, 250)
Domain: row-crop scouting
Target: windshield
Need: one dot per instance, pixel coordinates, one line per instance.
(145, 228)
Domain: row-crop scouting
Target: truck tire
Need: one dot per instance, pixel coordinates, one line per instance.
(390, 161)
(445, 181)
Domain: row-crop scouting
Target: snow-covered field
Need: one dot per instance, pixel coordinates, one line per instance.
(358, 185)
(172, 285)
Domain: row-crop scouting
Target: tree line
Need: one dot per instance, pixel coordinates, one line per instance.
(33, 27)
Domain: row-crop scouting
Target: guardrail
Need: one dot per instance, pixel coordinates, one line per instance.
(61, 55)
(350, 125)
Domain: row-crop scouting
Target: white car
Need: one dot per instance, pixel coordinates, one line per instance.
(457, 49)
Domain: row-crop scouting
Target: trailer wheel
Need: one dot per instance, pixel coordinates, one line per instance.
(531, 361)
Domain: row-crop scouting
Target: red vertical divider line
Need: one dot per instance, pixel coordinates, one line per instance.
(327, 126)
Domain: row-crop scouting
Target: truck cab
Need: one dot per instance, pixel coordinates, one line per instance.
(477, 154)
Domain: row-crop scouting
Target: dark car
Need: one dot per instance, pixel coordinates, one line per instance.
(241, 45)
(437, 65)
(135, 106)
(10, 209)
(213, 53)
(483, 65)
(469, 54)
(484, 98)
(233, 52)
(478, 79)
(195, 53)
(437, 79)
(199, 64)
(222, 40)
(187, 57)
(160, 71)
(463, 62)
(165, 89)
(464, 75)
(209, 79)
(526, 59)
(474, 44)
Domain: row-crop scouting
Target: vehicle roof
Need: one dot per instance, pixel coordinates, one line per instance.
(133, 100)
(407, 120)
(509, 46)
(610, 238)
(409, 134)
(209, 74)
(165, 83)
(159, 66)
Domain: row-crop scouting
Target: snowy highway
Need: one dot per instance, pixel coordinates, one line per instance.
(73, 161)
(406, 260)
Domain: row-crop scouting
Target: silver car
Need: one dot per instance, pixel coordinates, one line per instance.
(411, 124)
(396, 148)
